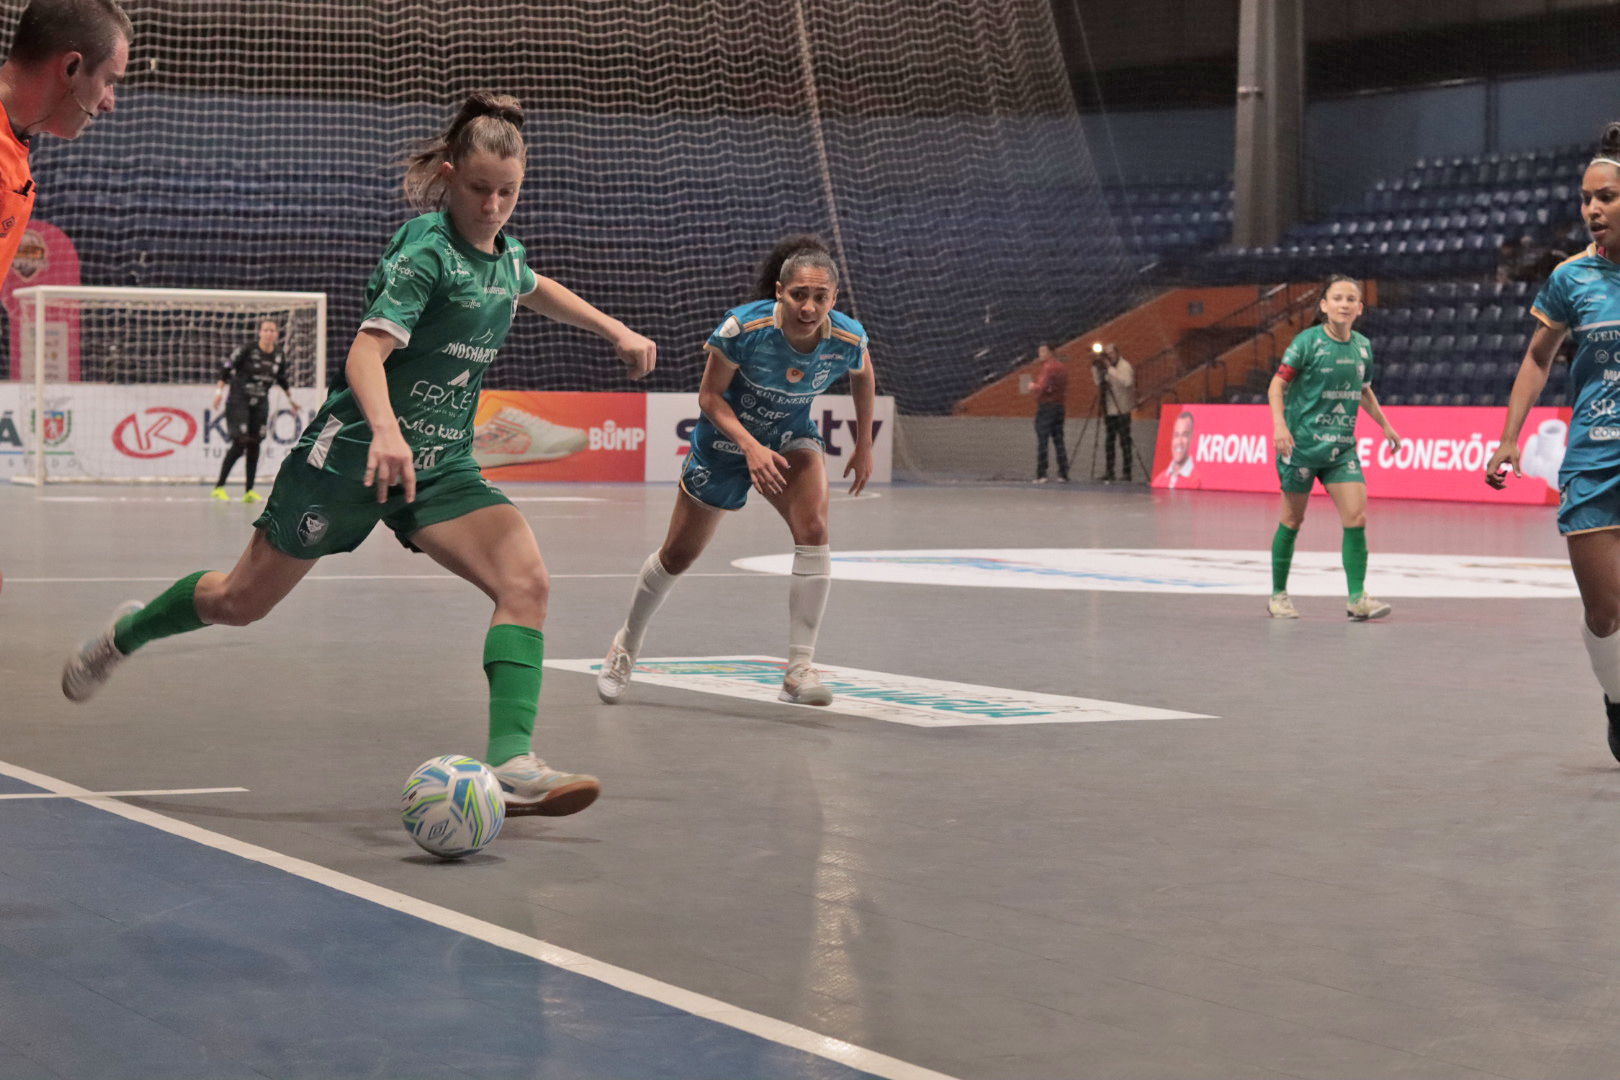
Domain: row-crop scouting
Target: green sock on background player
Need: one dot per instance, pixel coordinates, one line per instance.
(1282, 556)
(1355, 560)
(173, 612)
(512, 662)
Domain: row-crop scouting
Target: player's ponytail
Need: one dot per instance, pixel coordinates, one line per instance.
(486, 121)
(790, 255)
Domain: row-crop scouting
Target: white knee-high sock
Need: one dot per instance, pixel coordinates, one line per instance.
(652, 585)
(1605, 655)
(807, 599)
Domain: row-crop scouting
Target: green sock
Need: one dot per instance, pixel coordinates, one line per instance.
(1355, 560)
(175, 612)
(512, 658)
(1282, 556)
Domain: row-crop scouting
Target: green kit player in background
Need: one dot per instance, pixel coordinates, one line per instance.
(393, 443)
(1324, 381)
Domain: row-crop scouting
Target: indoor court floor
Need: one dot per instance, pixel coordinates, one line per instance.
(1081, 810)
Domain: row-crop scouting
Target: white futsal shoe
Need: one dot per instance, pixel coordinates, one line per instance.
(530, 786)
(94, 661)
(614, 678)
(1365, 607)
(514, 437)
(802, 686)
(1281, 607)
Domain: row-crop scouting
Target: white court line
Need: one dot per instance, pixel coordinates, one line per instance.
(348, 577)
(777, 1031)
(124, 794)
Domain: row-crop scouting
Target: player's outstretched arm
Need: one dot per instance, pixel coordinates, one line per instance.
(1527, 387)
(639, 354)
(863, 388)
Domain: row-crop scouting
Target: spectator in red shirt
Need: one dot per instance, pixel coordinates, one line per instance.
(1051, 389)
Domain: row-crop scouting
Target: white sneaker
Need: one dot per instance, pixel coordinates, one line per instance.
(1366, 608)
(531, 786)
(94, 661)
(514, 437)
(1281, 607)
(802, 686)
(614, 678)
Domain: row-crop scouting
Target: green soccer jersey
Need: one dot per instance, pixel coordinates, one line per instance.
(449, 306)
(1324, 395)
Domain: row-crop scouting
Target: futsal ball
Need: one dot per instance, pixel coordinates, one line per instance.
(452, 806)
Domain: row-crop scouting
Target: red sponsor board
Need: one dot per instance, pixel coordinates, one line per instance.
(534, 435)
(1442, 456)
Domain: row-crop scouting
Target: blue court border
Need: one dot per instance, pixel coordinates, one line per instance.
(136, 945)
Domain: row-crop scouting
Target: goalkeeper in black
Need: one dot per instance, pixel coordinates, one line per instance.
(246, 378)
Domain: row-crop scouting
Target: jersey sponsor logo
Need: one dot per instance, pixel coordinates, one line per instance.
(1602, 409)
(821, 378)
(313, 525)
(1202, 572)
(730, 328)
(427, 457)
(470, 353)
(460, 380)
(697, 477)
(1605, 434)
(443, 398)
(877, 695)
(726, 446)
(795, 375)
(155, 433)
(429, 429)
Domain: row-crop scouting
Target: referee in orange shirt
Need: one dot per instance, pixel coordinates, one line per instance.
(67, 58)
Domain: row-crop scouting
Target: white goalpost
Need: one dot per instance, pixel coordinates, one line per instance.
(116, 385)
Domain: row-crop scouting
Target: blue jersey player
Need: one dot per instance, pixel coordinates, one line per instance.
(767, 362)
(1582, 300)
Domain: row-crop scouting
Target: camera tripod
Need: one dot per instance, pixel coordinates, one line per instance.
(1105, 398)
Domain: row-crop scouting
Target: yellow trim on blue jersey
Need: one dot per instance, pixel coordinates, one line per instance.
(1547, 320)
(846, 337)
(758, 324)
(723, 509)
(1597, 528)
(714, 350)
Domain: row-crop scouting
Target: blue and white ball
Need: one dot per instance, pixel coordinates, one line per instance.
(452, 806)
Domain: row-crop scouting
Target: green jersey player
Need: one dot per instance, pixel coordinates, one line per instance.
(393, 443)
(1324, 381)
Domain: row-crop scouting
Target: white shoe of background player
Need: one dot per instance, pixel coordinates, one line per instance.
(514, 437)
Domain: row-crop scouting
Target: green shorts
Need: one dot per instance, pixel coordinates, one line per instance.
(1299, 479)
(312, 512)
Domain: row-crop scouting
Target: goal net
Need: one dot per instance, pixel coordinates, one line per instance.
(118, 384)
(938, 146)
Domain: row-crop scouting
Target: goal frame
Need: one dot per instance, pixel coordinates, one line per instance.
(33, 302)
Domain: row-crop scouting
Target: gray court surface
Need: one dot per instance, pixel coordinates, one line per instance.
(1389, 850)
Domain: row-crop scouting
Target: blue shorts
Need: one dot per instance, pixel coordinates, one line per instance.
(1589, 501)
(716, 469)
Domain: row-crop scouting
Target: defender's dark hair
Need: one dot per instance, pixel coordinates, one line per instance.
(1609, 142)
(790, 255)
(486, 121)
(49, 28)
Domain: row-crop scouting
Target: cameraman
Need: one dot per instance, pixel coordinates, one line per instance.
(1116, 383)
